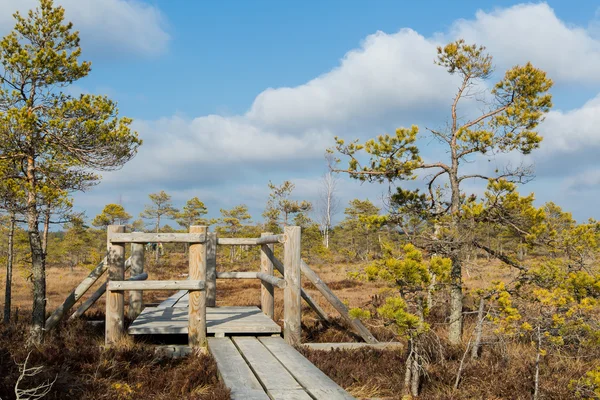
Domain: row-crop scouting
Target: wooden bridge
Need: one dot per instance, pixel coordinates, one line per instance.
(253, 360)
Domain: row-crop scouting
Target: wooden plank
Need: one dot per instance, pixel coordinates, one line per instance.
(197, 299)
(236, 241)
(136, 298)
(309, 300)
(319, 385)
(272, 280)
(115, 259)
(142, 237)
(269, 371)
(354, 346)
(156, 285)
(236, 275)
(354, 323)
(299, 394)
(172, 300)
(267, 295)
(211, 269)
(226, 320)
(234, 371)
(270, 239)
(292, 308)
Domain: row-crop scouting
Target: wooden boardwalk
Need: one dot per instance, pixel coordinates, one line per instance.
(171, 317)
(254, 368)
(268, 368)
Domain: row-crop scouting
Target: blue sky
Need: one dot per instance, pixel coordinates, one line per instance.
(229, 95)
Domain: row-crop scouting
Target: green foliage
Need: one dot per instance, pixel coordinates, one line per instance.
(111, 214)
(588, 386)
(192, 214)
(232, 221)
(280, 207)
(161, 206)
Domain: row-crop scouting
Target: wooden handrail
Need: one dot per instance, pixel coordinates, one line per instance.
(273, 280)
(141, 237)
(115, 286)
(270, 239)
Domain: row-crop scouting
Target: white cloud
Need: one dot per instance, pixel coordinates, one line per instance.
(574, 130)
(533, 32)
(389, 81)
(106, 26)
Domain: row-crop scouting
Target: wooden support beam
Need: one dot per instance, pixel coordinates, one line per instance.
(237, 241)
(98, 293)
(197, 299)
(236, 275)
(142, 237)
(115, 258)
(211, 270)
(136, 298)
(270, 239)
(353, 346)
(267, 295)
(309, 300)
(190, 285)
(272, 280)
(354, 323)
(76, 294)
(292, 310)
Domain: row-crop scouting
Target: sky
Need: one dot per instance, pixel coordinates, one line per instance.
(230, 95)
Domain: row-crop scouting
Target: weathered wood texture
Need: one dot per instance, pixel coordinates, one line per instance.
(353, 346)
(197, 299)
(136, 298)
(236, 275)
(234, 371)
(270, 239)
(76, 294)
(190, 285)
(292, 310)
(98, 293)
(220, 320)
(312, 379)
(267, 295)
(309, 300)
(142, 237)
(236, 241)
(274, 378)
(354, 323)
(115, 259)
(272, 280)
(211, 269)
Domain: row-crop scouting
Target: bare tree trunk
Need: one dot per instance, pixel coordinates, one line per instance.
(45, 231)
(9, 268)
(536, 390)
(456, 303)
(415, 381)
(408, 369)
(475, 350)
(38, 260)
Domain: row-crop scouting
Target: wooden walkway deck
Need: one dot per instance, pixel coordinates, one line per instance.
(268, 368)
(171, 317)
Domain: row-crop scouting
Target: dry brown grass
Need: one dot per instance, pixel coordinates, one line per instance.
(503, 372)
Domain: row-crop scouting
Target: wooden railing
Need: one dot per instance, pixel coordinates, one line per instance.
(202, 281)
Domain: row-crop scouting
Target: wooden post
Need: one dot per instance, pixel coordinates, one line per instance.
(136, 302)
(292, 310)
(197, 299)
(267, 299)
(115, 258)
(211, 269)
